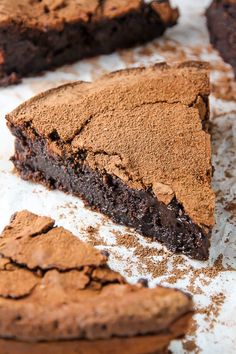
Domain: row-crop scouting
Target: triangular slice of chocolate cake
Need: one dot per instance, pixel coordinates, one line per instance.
(54, 287)
(133, 144)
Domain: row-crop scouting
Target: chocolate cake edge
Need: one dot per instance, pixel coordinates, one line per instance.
(139, 209)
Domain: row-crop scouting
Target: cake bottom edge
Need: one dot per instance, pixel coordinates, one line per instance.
(143, 344)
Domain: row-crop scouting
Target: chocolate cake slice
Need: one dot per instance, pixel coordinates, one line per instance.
(221, 21)
(134, 145)
(37, 35)
(54, 287)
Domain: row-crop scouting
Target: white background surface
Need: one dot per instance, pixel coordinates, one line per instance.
(215, 332)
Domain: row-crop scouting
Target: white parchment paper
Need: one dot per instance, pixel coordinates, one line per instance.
(214, 288)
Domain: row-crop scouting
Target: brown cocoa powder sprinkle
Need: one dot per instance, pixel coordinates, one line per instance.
(160, 267)
(131, 241)
(193, 327)
(218, 113)
(207, 274)
(145, 254)
(212, 311)
(231, 206)
(189, 343)
(170, 50)
(127, 240)
(128, 56)
(145, 51)
(93, 236)
(190, 346)
(224, 88)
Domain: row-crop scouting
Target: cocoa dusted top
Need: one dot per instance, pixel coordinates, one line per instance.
(55, 287)
(144, 126)
(55, 13)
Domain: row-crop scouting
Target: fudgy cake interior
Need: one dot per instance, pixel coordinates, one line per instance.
(55, 287)
(39, 35)
(133, 145)
(221, 21)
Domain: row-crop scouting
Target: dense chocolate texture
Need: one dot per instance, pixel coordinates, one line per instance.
(55, 287)
(132, 145)
(40, 35)
(221, 21)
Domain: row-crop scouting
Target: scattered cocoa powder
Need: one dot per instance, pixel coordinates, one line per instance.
(93, 237)
(145, 254)
(128, 57)
(129, 240)
(231, 206)
(212, 311)
(207, 274)
(189, 342)
(224, 88)
(170, 50)
(145, 51)
(193, 327)
(190, 346)
(160, 263)
(158, 268)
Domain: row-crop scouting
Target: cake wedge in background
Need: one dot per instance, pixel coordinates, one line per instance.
(221, 21)
(41, 35)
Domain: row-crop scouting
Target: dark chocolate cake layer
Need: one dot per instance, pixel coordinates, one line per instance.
(132, 145)
(40, 35)
(221, 21)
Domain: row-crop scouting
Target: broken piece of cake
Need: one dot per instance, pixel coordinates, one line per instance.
(133, 144)
(54, 287)
(40, 35)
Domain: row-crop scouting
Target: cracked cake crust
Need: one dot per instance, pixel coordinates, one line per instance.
(140, 128)
(75, 295)
(40, 35)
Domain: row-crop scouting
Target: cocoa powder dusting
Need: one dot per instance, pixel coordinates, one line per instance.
(189, 343)
(190, 346)
(145, 254)
(224, 88)
(172, 268)
(179, 269)
(92, 234)
(212, 311)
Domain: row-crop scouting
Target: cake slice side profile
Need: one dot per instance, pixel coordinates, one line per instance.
(40, 35)
(50, 294)
(133, 144)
